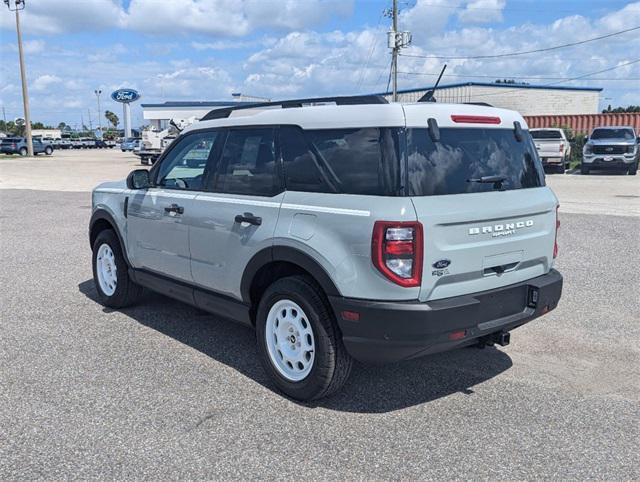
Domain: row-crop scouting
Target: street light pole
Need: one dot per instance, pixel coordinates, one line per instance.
(98, 92)
(17, 6)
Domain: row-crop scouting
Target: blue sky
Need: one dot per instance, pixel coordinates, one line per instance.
(206, 49)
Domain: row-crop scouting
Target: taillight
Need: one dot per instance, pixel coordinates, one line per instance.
(555, 241)
(561, 147)
(397, 251)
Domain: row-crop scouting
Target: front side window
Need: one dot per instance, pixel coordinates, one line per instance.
(248, 163)
(184, 166)
(463, 156)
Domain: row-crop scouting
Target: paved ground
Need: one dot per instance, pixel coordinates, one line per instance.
(163, 391)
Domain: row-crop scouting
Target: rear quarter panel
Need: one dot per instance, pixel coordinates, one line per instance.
(336, 230)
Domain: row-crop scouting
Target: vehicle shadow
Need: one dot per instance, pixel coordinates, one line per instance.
(370, 389)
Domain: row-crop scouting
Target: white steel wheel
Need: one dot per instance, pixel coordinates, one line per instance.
(106, 269)
(290, 341)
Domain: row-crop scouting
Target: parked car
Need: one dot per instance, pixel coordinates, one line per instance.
(361, 230)
(110, 143)
(18, 145)
(129, 144)
(553, 147)
(100, 144)
(76, 144)
(64, 143)
(613, 147)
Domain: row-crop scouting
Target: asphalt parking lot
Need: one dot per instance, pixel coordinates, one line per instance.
(164, 391)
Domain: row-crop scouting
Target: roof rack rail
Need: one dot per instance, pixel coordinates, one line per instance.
(484, 104)
(225, 112)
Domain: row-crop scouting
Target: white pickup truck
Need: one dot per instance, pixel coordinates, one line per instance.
(553, 147)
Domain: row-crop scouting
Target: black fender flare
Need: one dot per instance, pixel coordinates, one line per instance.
(104, 215)
(290, 255)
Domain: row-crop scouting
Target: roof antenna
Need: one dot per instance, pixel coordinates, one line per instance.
(428, 97)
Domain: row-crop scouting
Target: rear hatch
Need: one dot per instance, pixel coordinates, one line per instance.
(488, 218)
(549, 143)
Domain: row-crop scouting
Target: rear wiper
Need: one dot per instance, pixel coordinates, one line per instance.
(495, 180)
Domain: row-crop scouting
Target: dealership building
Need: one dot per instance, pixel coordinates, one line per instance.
(529, 100)
(524, 98)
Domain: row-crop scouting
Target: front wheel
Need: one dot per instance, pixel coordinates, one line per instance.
(48, 151)
(584, 169)
(110, 272)
(299, 343)
(23, 151)
(633, 170)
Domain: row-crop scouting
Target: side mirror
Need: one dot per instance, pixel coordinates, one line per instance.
(586, 138)
(638, 139)
(138, 179)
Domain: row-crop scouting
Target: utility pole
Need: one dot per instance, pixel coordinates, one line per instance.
(394, 52)
(90, 123)
(4, 116)
(396, 40)
(17, 6)
(98, 92)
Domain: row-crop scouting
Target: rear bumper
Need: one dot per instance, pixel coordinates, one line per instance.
(392, 331)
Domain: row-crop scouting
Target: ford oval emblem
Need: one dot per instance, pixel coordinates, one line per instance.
(125, 95)
(441, 263)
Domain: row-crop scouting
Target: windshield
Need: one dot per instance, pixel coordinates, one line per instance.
(457, 163)
(613, 134)
(546, 134)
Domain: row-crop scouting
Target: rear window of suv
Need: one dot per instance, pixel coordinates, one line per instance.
(462, 155)
(546, 135)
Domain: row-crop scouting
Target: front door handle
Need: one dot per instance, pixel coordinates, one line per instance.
(248, 218)
(175, 209)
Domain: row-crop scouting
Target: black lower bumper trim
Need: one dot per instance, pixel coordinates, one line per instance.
(392, 331)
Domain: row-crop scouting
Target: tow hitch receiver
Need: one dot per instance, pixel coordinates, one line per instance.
(502, 338)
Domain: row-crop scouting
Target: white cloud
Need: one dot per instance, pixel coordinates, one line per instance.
(482, 11)
(44, 82)
(54, 16)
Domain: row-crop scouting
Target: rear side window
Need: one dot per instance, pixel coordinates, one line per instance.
(248, 164)
(462, 156)
(546, 135)
(356, 161)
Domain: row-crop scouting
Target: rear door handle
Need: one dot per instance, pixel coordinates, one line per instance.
(248, 218)
(175, 209)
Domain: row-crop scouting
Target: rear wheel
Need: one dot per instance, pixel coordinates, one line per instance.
(299, 342)
(110, 272)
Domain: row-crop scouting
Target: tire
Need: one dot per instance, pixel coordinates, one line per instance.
(584, 170)
(48, 151)
(23, 151)
(326, 366)
(116, 291)
(633, 170)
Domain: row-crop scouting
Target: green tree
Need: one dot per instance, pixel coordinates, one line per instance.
(62, 125)
(112, 118)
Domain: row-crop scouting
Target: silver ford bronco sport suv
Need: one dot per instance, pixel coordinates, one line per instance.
(341, 229)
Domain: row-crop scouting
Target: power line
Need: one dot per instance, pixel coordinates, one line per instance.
(525, 52)
(502, 76)
(374, 44)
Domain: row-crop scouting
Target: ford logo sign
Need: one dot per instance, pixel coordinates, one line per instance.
(125, 95)
(441, 263)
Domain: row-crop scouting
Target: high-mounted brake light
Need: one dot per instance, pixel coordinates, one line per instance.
(475, 119)
(555, 241)
(397, 251)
